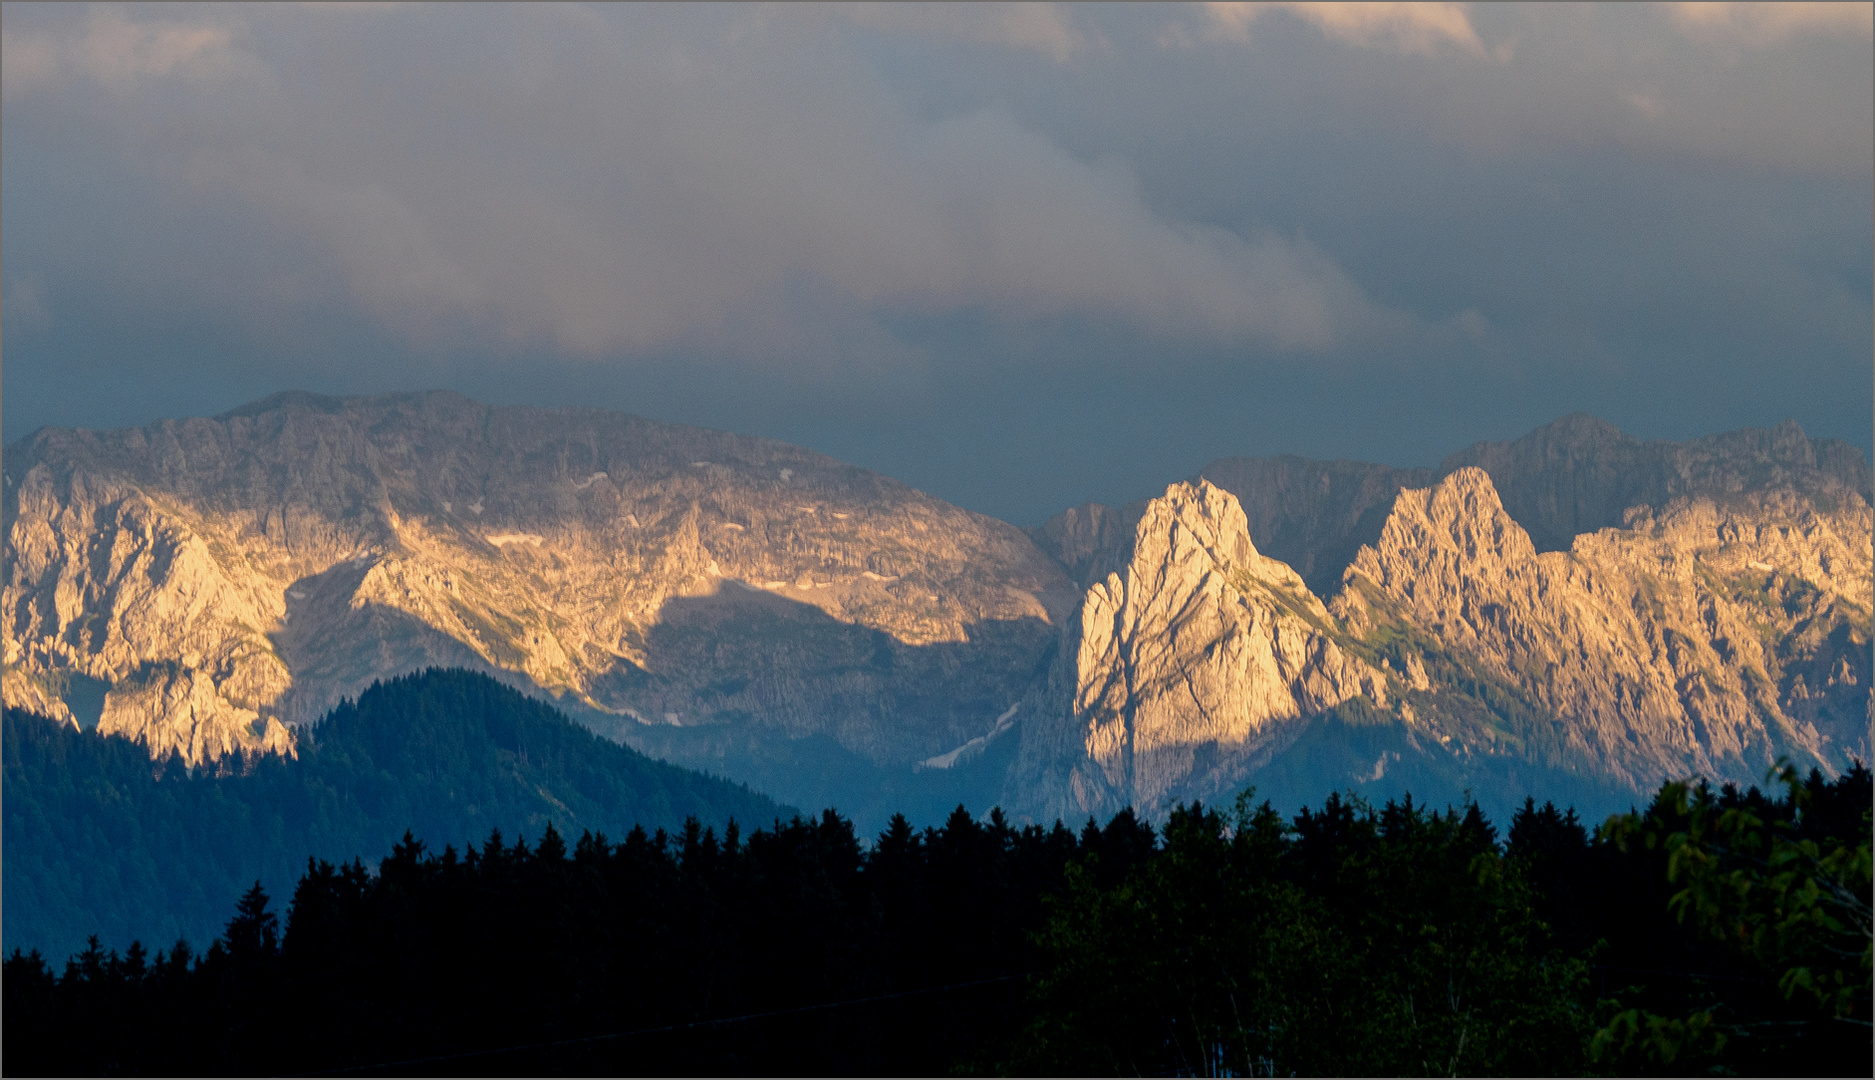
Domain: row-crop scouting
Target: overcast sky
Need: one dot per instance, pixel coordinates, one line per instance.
(1020, 257)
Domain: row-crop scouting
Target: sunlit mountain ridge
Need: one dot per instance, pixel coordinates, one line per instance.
(1575, 612)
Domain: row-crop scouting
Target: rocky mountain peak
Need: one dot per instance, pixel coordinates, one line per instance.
(1579, 474)
(1456, 527)
(1182, 666)
(1693, 640)
(1193, 524)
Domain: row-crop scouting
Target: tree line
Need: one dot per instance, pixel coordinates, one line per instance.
(1718, 930)
(101, 840)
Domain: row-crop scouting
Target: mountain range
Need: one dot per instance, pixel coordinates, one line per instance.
(1576, 614)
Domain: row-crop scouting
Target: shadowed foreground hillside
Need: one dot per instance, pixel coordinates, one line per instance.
(99, 840)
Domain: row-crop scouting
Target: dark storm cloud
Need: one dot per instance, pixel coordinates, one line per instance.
(1019, 256)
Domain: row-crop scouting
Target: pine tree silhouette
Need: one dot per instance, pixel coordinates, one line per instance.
(254, 933)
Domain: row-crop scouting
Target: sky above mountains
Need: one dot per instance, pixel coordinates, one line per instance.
(1019, 257)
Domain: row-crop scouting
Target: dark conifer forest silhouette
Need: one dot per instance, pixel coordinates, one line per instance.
(1717, 930)
(99, 840)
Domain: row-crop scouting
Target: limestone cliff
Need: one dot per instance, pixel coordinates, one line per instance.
(1579, 474)
(1180, 666)
(225, 576)
(1710, 636)
(101, 583)
(741, 605)
(1314, 515)
(1574, 475)
(1706, 637)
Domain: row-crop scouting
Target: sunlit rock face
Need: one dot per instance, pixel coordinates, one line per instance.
(1572, 476)
(1314, 515)
(204, 586)
(1191, 657)
(223, 577)
(102, 583)
(1712, 635)
(1580, 474)
(1706, 637)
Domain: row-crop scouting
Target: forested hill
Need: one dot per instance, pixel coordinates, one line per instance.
(97, 842)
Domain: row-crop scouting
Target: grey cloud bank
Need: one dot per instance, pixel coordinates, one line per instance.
(1019, 257)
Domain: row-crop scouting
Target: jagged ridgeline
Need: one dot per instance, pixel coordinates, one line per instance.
(730, 603)
(1576, 615)
(101, 840)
